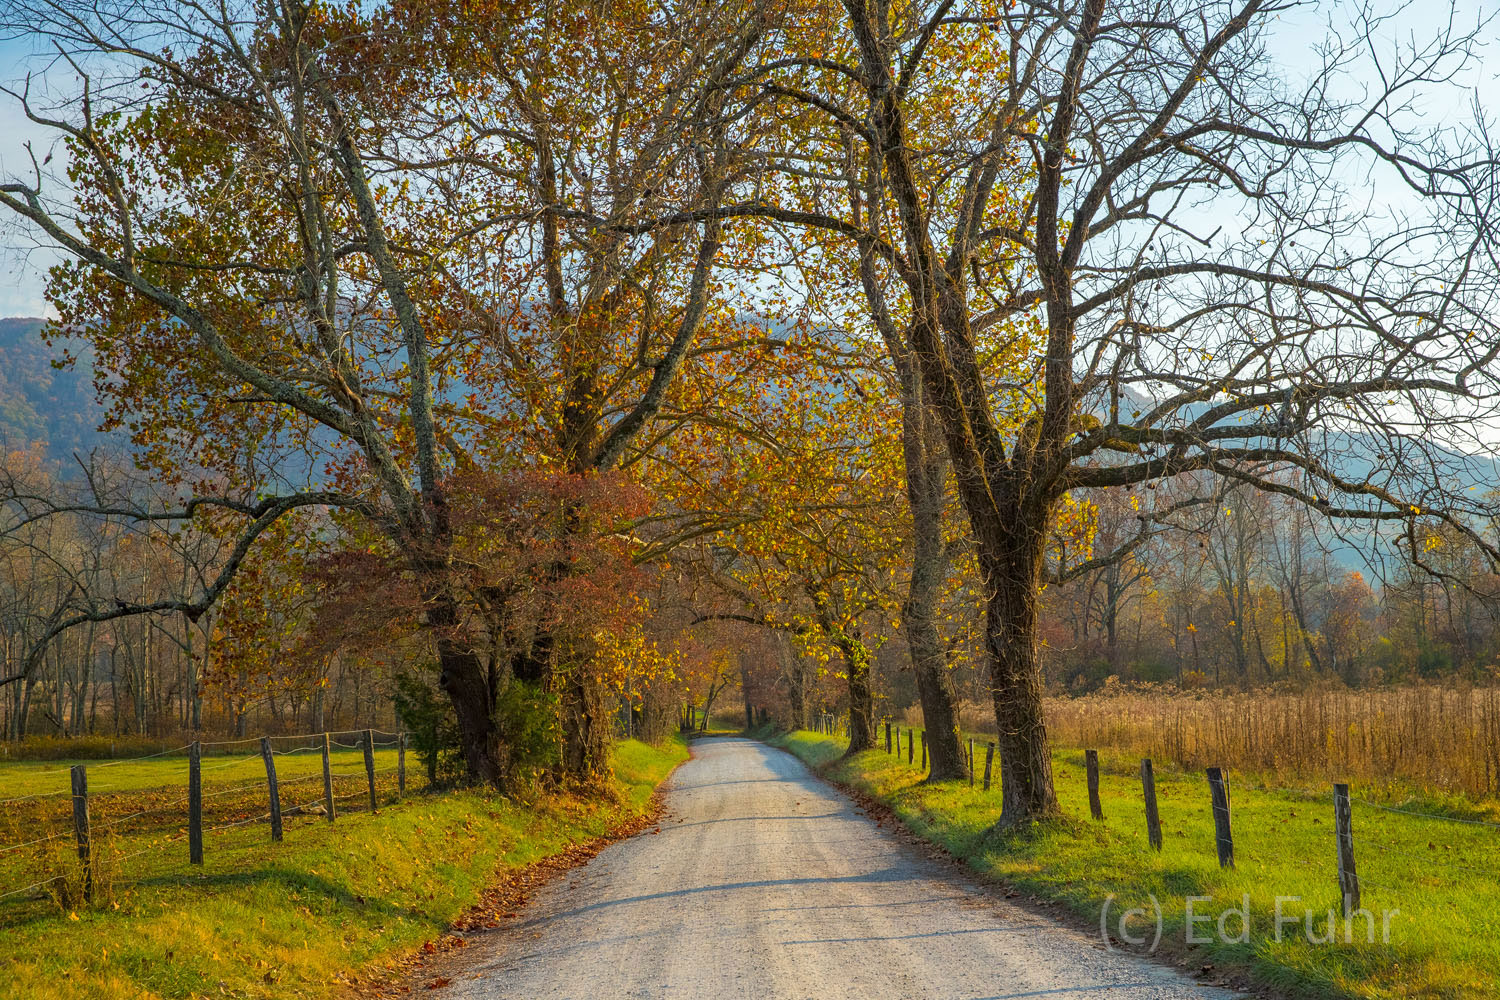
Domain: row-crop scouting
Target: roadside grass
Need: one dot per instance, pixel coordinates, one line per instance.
(1436, 874)
(137, 805)
(293, 919)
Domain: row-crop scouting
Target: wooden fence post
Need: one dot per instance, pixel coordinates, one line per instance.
(989, 763)
(1091, 758)
(911, 750)
(370, 764)
(898, 742)
(401, 764)
(1148, 788)
(887, 736)
(272, 788)
(1344, 831)
(195, 803)
(924, 749)
(1218, 788)
(81, 827)
(328, 805)
(971, 762)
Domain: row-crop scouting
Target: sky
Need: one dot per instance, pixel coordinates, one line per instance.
(23, 261)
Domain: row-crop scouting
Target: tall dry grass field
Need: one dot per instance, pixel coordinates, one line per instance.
(1442, 739)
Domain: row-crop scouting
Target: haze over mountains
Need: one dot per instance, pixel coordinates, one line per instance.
(40, 404)
(55, 408)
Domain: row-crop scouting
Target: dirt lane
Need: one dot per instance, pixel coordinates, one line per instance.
(766, 882)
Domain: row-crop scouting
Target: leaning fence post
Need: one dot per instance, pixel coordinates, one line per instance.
(1344, 831)
(195, 803)
(887, 736)
(1218, 788)
(370, 764)
(924, 749)
(989, 762)
(328, 805)
(271, 787)
(911, 749)
(81, 827)
(1148, 788)
(1091, 759)
(971, 762)
(401, 764)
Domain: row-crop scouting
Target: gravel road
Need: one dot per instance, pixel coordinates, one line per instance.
(766, 882)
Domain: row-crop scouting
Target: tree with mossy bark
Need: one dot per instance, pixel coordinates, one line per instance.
(1174, 221)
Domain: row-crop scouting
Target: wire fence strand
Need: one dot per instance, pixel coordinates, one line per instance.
(1428, 816)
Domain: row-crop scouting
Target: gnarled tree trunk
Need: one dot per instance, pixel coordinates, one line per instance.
(1011, 565)
(463, 679)
(861, 694)
(586, 725)
(926, 480)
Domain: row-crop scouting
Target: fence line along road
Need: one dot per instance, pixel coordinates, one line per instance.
(84, 828)
(1343, 869)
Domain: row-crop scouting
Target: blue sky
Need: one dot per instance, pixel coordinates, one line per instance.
(23, 262)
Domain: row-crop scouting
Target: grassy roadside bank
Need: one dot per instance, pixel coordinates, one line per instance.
(289, 920)
(1442, 941)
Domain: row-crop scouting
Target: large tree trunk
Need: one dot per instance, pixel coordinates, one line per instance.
(462, 678)
(861, 694)
(586, 727)
(924, 455)
(939, 699)
(1011, 565)
(926, 483)
(795, 673)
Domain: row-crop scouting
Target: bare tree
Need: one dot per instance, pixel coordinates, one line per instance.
(1208, 293)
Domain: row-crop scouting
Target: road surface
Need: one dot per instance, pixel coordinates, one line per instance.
(766, 882)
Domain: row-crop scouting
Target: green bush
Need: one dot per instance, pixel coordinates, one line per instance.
(530, 738)
(428, 718)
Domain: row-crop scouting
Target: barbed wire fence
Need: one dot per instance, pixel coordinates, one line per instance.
(1415, 844)
(144, 808)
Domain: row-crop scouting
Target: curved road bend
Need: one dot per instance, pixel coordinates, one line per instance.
(766, 882)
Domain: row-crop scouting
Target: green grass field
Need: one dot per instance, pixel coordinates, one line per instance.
(287, 920)
(1439, 874)
(138, 808)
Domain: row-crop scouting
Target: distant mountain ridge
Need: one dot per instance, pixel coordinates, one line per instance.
(40, 404)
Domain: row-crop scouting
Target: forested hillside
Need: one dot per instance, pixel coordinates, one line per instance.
(41, 403)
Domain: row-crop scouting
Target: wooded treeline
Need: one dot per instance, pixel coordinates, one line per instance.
(547, 360)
